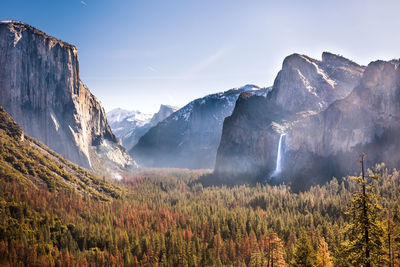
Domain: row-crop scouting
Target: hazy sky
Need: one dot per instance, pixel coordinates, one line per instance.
(137, 54)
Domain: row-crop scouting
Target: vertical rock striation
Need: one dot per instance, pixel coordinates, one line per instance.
(40, 88)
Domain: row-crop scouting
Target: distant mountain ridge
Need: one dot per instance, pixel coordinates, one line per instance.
(129, 126)
(124, 123)
(41, 89)
(189, 137)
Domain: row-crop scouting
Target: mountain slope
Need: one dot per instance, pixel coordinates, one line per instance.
(189, 137)
(41, 89)
(304, 86)
(129, 126)
(30, 163)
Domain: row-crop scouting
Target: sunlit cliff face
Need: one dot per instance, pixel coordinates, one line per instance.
(41, 89)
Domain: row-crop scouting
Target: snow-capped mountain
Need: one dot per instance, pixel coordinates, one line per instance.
(189, 138)
(129, 126)
(124, 122)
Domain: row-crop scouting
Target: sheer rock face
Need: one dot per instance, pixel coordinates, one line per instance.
(303, 87)
(367, 120)
(189, 137)
(40, 88)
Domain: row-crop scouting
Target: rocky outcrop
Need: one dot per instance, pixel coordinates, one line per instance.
(309, 84)
(189, 137)
(303, 87)
(40, 88)
(129, 126)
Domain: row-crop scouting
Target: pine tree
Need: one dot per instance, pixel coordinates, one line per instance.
(392, 244)
(274, 251)
(256, 259)
(304, 255)
(323, 254)
(164, 261)
(365, 247)
(396, 236)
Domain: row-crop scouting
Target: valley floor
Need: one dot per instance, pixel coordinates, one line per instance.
(167, 218)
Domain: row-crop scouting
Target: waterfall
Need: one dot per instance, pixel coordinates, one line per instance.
(278, 167)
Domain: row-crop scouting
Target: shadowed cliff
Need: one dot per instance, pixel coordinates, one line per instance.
(304, 87)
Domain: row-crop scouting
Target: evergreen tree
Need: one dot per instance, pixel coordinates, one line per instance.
(392, 244)
(274, 251)
(396, 235)
(365, 247)
(256, 259)
(304, 255)
(323, 254)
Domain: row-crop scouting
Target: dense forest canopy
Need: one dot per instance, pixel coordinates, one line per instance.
(165, 218)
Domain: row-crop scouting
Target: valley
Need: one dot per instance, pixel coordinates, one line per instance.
(166, 217)
(300, 172)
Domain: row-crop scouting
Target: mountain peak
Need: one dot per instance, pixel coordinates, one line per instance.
(338, 60)
(304, 82)
(169, 107)
(296, 59)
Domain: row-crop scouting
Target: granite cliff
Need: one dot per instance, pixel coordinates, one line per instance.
(367, 120)
(41, 89)
(304, 87)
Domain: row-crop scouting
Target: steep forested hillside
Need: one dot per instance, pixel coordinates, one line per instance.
(28, 163)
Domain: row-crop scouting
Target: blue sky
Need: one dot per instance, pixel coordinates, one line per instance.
(138, 54)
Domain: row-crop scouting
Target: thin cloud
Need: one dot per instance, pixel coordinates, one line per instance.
(208, 61)
(150, 68)
(84, 3)
(128, 54)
